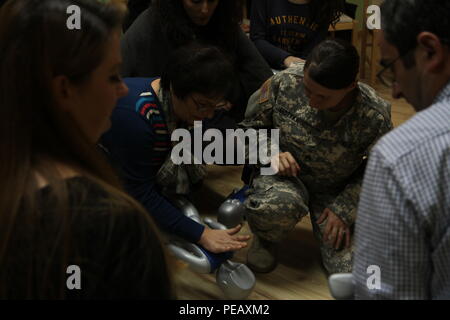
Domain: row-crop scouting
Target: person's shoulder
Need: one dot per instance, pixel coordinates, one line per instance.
(134, 115)
(415, 140)
(144, 21)
(91, 199)
(136, 85)
(139, 92)
(290, 77)
(142, 34)
(371, 103)
(279, 81)
(244, 44)
(296, 69)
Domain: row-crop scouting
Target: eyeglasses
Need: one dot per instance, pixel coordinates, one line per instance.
(202, 107)
(388, 78)
(387, 75)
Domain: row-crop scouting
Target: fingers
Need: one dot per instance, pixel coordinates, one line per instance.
(333, 235)
(220, 248)
(242, 238)
(238, 244)
(340, 237)
(228, 245)
(285, 164)
(347, 238)
(234, 230)
(281, 164)
(293, 165)
(322, 217)
(274, 164)
(225, 246)
(326, 232)
(282, 167)
(344, 236)
(218, 241)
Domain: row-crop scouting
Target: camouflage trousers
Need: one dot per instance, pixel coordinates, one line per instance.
(179, 178)
(275, 204)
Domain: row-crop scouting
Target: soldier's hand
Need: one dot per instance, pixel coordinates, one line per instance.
(218, 241)
(336, 232)
(284, 164)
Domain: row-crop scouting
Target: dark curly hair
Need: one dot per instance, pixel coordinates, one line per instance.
(222, 30)
(326, 12)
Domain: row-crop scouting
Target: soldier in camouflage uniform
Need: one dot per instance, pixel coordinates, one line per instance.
(324, 145)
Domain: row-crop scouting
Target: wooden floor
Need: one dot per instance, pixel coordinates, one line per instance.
(299, 275)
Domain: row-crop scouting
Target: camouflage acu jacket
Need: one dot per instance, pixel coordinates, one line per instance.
(331, 155)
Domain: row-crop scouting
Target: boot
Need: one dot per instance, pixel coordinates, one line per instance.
(261, 256)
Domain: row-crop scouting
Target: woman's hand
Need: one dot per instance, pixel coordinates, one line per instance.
(290, 60)
(335, 231)
(285, 164)
(226, 106)
(218, 241)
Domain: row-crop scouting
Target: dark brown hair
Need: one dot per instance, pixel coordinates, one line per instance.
(222, 30)
(36, 136)
(333, 63)
(198, 68)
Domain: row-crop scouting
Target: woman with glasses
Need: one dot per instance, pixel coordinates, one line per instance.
(192, 87)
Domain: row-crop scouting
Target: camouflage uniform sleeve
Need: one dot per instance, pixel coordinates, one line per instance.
(259, 114)
(260, 106)
(386, 125)
(344, 206)
(346, 203)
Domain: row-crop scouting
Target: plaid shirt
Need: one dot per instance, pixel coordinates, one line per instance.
(403, 223)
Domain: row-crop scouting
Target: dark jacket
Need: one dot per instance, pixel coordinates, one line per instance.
(145, 51)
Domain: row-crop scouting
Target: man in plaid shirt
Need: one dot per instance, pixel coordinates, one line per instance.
(403, 223)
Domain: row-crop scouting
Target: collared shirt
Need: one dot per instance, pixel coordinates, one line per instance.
(403, 222)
